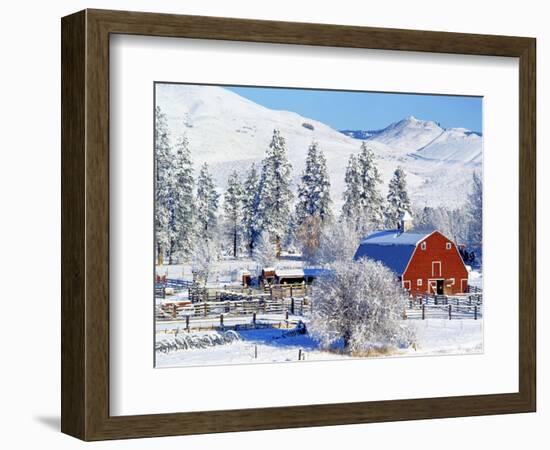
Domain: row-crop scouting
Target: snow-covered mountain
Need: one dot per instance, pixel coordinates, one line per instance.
(230, 132)
(408, 134)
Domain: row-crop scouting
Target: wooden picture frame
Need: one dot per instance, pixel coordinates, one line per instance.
(85, 224)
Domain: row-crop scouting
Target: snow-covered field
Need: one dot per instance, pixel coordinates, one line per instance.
(433, 337)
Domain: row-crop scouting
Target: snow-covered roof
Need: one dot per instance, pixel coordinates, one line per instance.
(289, 273)
(392, 248)
(394, 237)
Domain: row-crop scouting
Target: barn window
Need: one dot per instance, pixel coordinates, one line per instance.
(419, 282)
(448, 245)
(406, 284)
(451, 281)
(423, 246)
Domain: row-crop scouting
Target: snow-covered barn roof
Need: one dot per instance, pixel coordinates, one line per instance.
(392, 248)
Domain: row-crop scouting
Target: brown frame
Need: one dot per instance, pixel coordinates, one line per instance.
(85, 224)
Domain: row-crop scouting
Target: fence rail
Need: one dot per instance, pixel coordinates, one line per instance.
(181, 310)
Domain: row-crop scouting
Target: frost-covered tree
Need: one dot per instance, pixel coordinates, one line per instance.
(309, 235)
(290, 237)
(314, 187)
(453, 223)
(251, 203)
(275, 194)
(265, 251)
(207, 204)
(351, 208)
(475, 212)
(360, 304)
(371, 200)
(398, 199)
(182, 211)
(233, 209)
(163, 185)
(339, 242)
(205, 257)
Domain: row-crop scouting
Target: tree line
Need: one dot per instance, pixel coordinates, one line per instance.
(259, 215)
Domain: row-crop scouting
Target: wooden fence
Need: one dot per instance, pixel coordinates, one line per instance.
(445, 307)
(181, 310)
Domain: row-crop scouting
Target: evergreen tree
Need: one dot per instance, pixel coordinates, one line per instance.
(233, 208)
(352, 194)
(314, 188)
(251, 201)
(371, 201)
(275, 195)
(398, 199)
(182, 211)
(265, 252)
(475, 212)
(207, 204)
(163, 185)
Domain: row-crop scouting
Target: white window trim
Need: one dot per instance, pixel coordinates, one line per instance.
(452, 281)
(423, 246)
(419, 282)
(433, 269)
(448, 246)
(405, 283)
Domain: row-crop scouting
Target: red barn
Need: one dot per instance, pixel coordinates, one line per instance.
(424, 262)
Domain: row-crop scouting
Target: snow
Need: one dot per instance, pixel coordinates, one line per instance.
(446, 337)
(394, 237)
(214, 118)
(434, 337)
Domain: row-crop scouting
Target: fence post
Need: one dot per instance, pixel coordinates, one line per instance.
(299, 354)
(255, 352)
(423, 311)
(286, 315)
(292, 305)
(174, 311)
(475, 312)
(254, 319)
(187, 323)
(450, 306)
(221, 320)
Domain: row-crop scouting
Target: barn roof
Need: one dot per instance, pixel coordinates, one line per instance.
(392, 248)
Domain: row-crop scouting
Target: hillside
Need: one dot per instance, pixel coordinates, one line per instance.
(230, 132)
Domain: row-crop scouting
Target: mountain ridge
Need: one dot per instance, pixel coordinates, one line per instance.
(220, 123)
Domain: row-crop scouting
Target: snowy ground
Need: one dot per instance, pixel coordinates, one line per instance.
(434, 337)
(227, 271)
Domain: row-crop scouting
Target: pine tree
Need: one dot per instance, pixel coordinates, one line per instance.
(163, 185)
(371, 201)
(398, 199)
(207, 204)
(351, 208)
(182, 211)
(233, 209)
(251, 201)
(275, 194)
(314, 187)
(265, 251)
(475, 212)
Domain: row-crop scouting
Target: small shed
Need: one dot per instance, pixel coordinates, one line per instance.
(289, 276)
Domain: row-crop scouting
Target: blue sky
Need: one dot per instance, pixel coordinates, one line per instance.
(368, 110)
